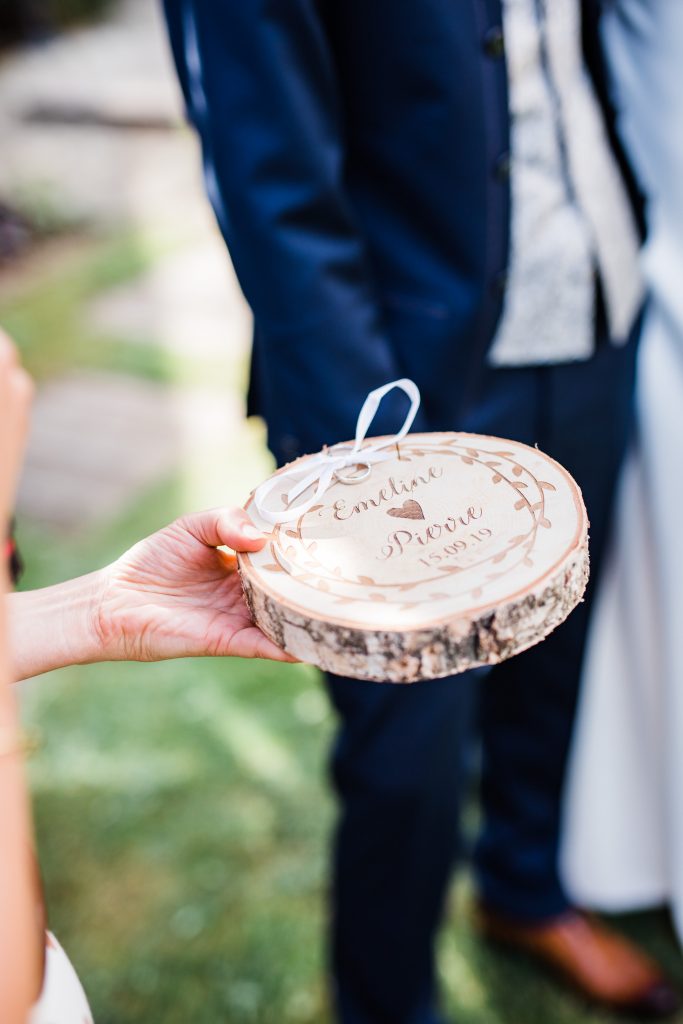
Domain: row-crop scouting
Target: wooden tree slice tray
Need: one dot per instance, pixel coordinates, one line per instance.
(460, 550)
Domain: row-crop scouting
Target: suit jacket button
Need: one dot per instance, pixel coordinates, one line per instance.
(290, 446)
(503, 167)
(500, 283)
(494, 43)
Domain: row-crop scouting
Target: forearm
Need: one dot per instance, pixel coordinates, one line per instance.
(19, 924)
(54, 627)
(19, 927)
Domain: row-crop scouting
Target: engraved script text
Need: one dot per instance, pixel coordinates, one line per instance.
(392, 490)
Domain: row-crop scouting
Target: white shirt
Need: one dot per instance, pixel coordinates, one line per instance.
(571, 215)
(62, 1000)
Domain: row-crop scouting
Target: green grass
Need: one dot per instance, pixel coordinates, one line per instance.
(182, 810)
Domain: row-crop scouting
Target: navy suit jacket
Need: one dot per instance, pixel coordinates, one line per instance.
(356, 157)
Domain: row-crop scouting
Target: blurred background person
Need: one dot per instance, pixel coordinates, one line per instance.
(624, 838)
(388, 217)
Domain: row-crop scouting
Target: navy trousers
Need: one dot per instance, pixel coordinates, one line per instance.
(398, 765)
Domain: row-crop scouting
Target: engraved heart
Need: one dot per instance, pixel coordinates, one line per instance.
(409, 510)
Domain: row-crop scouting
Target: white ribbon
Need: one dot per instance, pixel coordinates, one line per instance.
(320, 469)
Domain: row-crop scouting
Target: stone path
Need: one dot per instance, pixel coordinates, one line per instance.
(189, 304)
(98, 439)
(95, 440)
(94, 121)
(117, 69)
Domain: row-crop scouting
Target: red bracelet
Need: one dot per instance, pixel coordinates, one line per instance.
(10, 549)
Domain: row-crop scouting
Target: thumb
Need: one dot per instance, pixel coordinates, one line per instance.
(231, 527)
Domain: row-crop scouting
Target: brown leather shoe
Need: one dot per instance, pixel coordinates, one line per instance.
(598, 963)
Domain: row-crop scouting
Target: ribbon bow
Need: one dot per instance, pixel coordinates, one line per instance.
(321, 469)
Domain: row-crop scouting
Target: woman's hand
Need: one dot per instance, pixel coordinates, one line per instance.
(175, 595)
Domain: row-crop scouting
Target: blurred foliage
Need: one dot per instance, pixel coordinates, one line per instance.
(182, 809)
(46, 310)
(46, 317)
(34, 19)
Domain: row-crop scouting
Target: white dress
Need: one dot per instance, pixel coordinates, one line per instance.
(62, 1000)
(623, 845)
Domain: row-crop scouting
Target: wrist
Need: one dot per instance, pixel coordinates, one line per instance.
(55, 626)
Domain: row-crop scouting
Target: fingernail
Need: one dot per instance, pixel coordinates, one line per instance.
(250, 531)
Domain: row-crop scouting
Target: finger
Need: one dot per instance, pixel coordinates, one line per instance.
(250, 642)
(16, 393)
(229, 527)
(9, 357)
(16, 382)
(266, 648)
(23, 390)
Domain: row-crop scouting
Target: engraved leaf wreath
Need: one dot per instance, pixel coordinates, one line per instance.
(470, 456)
